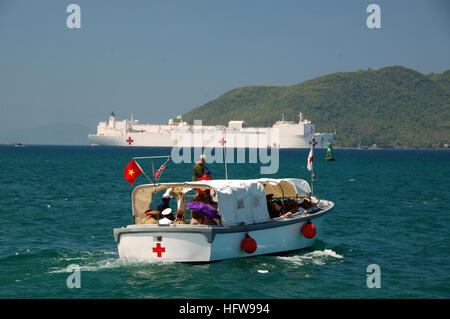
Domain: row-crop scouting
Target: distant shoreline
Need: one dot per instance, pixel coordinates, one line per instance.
(390, 148)
(363, 148)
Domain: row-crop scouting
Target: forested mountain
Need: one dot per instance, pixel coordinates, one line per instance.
(390, 107)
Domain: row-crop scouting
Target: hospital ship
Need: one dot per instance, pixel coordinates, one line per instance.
(283, 134)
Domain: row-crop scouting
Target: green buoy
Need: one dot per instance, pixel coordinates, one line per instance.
(329, 156)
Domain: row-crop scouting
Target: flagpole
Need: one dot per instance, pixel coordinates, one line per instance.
(313, 143)
(225, 160)
(142, 171)
(153, 170)
(223, 142)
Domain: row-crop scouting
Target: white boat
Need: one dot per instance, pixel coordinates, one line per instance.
(283, 134)
(243, 212)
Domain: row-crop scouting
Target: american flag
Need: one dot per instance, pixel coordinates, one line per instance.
(160, 170)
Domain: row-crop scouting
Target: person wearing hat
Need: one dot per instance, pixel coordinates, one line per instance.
(199, 168)
(206, 176)
(166, 214)
(165, 200)
(150, 217)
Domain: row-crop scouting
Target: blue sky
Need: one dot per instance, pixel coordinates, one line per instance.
(162, 58)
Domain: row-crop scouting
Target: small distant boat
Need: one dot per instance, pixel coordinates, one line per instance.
(18, 144)
(329, 156)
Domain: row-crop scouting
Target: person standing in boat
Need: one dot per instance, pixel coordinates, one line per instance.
(199, 168)
(165, 200)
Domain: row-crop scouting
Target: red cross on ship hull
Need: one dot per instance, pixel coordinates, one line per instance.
(159, 250)
(129, 140)
(222, 142)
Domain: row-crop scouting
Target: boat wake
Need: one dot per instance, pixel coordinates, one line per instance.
(317, 257)
(95, 261)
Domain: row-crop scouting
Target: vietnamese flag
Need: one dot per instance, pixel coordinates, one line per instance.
(132, 170)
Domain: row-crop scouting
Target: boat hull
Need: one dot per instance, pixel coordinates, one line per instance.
(286, 140)
(202, 243)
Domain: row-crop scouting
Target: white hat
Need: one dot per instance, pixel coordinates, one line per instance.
(166, 211)
(167, 193)
(203, 156)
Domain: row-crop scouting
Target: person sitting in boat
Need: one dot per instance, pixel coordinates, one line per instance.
(165, 200)
(270, 208)
(306, 203)
(167, 217)
(179, 219)
(197, 217)
(290, 205)
(205, 220)
(199, 168)
(150, 217)
(278, 206)
(200, 216)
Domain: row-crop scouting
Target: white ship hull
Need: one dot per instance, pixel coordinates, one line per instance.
(165, 140)
(281, 135)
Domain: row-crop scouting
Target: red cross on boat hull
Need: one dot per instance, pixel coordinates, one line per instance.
(159, 250)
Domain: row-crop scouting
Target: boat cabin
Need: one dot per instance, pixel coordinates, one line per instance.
(238, 202)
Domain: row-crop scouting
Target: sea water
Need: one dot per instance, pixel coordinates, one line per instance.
(59, 205)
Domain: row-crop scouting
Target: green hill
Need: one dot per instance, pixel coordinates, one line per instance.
(390, 107)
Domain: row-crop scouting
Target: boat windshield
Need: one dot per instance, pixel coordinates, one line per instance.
(153, 199)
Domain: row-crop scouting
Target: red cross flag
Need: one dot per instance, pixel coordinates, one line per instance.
(310, 160)
(132, 170)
